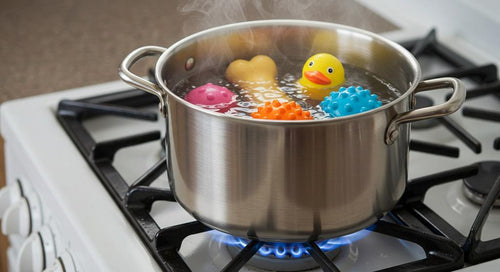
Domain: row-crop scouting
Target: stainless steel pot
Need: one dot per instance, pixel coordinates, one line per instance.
(288, 180)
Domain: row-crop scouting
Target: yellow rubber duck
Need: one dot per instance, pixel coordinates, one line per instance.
(320, 75)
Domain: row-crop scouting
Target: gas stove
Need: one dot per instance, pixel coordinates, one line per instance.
(87, 188)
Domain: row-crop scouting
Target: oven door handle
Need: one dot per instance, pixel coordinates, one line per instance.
(448, 107)
(139, 82)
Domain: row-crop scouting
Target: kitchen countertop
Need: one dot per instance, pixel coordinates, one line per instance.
(47, 47)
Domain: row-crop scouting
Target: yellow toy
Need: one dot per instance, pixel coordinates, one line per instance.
(258, 77)
(320, 75)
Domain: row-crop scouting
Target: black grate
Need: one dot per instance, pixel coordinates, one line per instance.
(486, 78)
(415, 214)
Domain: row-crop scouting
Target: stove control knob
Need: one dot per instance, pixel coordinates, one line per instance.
(23, 217)
(38, 250)
(62, 264)
(30, 256)
(8, 195)
(16, 219)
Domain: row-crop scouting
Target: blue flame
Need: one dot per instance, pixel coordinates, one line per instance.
(293, 250)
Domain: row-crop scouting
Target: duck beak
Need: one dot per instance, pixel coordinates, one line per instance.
(317, 77)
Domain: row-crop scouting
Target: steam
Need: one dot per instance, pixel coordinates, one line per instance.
(202, 14)
(205, 14)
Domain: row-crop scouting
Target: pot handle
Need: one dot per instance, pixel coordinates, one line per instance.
(139, 82)
(448, 107)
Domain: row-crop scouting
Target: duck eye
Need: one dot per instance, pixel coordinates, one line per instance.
(311, 63)
(330, 70)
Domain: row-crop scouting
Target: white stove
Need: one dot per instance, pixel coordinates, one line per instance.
(60, 217)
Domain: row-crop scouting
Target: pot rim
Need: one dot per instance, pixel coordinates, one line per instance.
(171, 50)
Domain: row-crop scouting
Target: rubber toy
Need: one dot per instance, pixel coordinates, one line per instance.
(258, 77)
(320, 75)
(212, 96)
(349, 101)
(276, 110)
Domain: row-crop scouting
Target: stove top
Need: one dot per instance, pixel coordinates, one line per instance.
(422, 231)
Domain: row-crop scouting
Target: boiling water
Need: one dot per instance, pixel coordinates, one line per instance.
(288, 75)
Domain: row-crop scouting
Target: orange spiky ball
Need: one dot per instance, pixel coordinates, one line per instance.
(281, 111)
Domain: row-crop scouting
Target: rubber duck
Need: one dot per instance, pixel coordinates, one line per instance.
(348, 101)
(211, 96)
(320, 75)
(258, 77)
(276, 110)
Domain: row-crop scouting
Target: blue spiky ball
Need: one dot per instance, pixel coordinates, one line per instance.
(350, 100)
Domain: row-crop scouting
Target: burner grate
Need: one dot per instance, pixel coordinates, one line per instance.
(486, 76)
(414, 213)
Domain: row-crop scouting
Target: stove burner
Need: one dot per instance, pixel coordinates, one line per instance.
(477, 187)
(423, 101)
(285, 250)
(283, 256)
